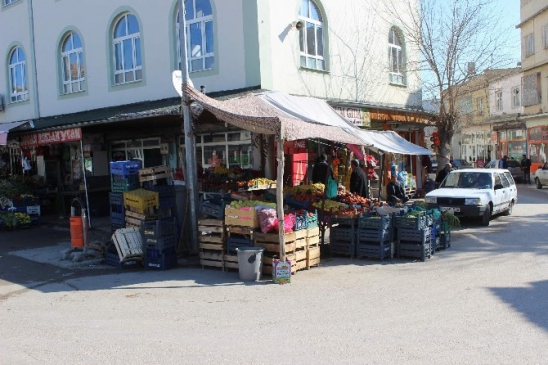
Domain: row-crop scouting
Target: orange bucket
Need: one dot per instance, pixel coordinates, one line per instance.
(76, 232)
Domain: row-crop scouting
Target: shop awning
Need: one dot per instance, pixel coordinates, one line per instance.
(390, 141)
(254, 114)
(5, 129)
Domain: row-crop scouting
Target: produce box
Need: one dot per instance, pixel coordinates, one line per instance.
(140, 200)
(244, 216)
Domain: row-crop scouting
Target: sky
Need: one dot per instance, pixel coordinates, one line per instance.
(511, 19)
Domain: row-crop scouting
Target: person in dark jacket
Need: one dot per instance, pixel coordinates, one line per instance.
(395, 192)
(443, 173)
(504, 162)
(526, 168)
(321, 170)
(358, 180)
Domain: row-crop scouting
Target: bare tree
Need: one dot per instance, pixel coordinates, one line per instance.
(457, 39)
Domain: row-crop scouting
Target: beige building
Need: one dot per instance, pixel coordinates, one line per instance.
(534, 38)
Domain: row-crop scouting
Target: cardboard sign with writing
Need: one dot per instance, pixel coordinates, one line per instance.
(281, 271)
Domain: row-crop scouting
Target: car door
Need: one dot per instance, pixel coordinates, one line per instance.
(543, 176)
(501, 194)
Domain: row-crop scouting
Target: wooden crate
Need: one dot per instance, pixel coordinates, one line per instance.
(134, 219)
(231, 261)
(212, 258)
(313, 257)
(128, 243)
(242, 217)
(211, 234)
(141, 200)
(155, 173)
(247, 232)
(271, 242)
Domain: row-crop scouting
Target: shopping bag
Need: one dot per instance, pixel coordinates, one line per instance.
(331, 188)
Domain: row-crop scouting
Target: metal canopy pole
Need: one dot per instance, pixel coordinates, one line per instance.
(85, 180)
(279, 191)
(191, 180)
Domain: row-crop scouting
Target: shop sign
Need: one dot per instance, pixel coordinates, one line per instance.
(358, 117)
(300, 143)
(53, 137)
(281, 271)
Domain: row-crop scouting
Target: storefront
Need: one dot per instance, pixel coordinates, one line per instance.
(512, 139)
(476, 147)
(537, 140)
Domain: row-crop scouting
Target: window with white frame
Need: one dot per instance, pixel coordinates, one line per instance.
(199, 35)
(147, 150)
(18, 76)
(479, 106)
(126, 42)
(498, 100)
(72, 61)
(311, 36)
(395, 57)
(545, 35)
(227, 149)
(516, 97)
(529, 44)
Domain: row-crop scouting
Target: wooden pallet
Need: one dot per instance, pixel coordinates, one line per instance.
(231, 261)
(270, 242)
(128, 244)
(135, 219)
(211, 234)
(155, 173)
(248, 232)
(313, 257)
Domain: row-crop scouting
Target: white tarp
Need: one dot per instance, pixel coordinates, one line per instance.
(318, 111)
(5, 129)
(390, 141)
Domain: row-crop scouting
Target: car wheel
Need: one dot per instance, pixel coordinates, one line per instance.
(510, 208)
(486, 217)
(539, 185)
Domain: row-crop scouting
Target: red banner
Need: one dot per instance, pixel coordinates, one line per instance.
(53, 137)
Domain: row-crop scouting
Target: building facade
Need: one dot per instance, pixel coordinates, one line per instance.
(100, 84)
(534, 38)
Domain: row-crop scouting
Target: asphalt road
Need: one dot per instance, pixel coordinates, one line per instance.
(483, 301)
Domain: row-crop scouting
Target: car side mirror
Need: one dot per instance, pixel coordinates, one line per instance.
(498, 186)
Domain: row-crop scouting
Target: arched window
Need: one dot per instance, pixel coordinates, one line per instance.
(72, 61)
(18, 76)
(126, 43)
(396, 57)
(311, 36)
(199, 35)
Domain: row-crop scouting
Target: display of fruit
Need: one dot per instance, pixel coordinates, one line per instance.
(330, 205)
(304, 189)
(250, 203)
(23, 218)
(353, 199)
(221, 170)
(260, 181)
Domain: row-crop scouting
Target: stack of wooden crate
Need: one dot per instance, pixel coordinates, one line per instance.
(212, 240)
(241, 224)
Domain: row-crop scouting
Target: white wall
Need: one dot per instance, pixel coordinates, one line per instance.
(506, 85)
(356, 51)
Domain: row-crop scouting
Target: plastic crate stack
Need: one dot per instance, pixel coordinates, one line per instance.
(124, 175)
(414, 236)
(140, 206)
(167, 203)
(342, 236)
(117, 211)
(444, 235)
(159, 243)
(374, 237)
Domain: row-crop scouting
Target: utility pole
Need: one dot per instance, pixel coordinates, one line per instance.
(191, 180)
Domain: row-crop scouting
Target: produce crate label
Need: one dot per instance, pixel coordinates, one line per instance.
(281, 271)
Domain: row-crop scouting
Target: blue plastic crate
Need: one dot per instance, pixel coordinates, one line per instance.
(159, 243)
(373, 235)
(379, 251)
(112, 259)
(116, 198)
(340, 234)
(168, 202)
(232, 243)
(341, 248)
(414, 249)
(127, 167)
(159, 228)
(380, 222)
(214, 209)
(297, 204)
(128, 183)
(411, 222)
(413, 235)
(160, 259)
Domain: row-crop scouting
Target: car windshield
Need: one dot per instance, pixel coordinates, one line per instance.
(468, 180)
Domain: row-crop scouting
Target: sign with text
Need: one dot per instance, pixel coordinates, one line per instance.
(358, 117)
(281, 271)
(53, 137)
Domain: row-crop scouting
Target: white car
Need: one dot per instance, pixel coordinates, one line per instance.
(541, 176)
(475, 193)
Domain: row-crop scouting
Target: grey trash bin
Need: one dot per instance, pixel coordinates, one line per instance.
(250, 263)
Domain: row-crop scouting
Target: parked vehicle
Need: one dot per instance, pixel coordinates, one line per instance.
(461, 164)
(514, 167)
(475, 193)
(541, 176)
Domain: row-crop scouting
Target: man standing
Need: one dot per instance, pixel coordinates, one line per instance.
(443, 173)
(526, 168)
(504, 162)
(321, 170)
(358, 180)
